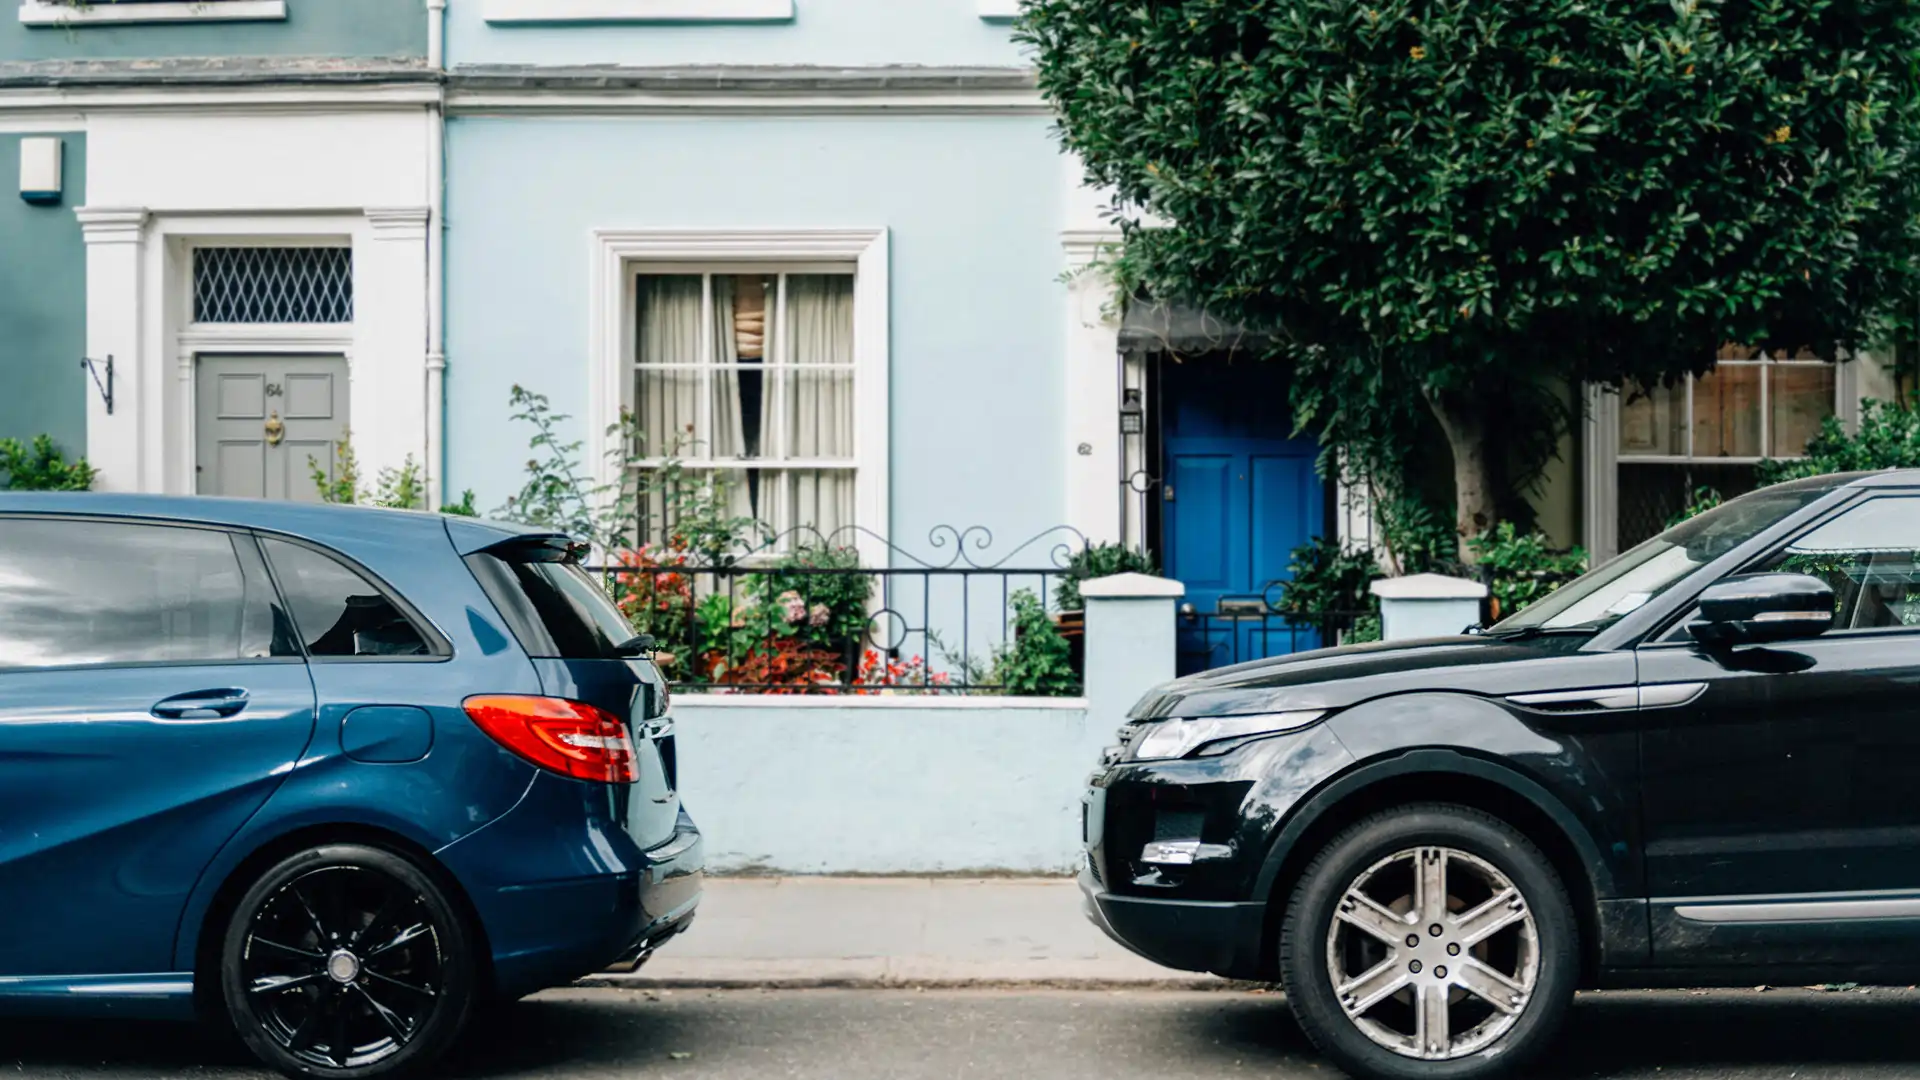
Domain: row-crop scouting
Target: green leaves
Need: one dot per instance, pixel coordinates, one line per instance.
(1423, 193)
(39, 466)
(1888, 438)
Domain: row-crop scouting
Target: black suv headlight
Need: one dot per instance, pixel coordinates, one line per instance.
(1169, 740)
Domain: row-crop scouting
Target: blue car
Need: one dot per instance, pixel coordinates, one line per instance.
(338, 777)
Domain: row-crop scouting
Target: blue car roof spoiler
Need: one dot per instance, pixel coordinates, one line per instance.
(470, 535)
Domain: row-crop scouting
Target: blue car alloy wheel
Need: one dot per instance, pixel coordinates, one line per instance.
(347, 961)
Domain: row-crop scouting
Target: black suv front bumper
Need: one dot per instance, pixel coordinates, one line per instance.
(1191, 935)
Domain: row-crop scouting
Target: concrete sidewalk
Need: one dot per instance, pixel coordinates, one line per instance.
(932, 932)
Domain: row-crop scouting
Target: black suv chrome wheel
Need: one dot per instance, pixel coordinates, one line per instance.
(1429, 942)
(347, 961)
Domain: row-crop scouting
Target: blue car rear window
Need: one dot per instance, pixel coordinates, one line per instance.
(553, 606)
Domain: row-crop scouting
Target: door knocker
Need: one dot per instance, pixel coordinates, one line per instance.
(276, 430)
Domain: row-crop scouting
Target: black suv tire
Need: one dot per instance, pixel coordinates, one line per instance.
(353, 931)
(1476, 843)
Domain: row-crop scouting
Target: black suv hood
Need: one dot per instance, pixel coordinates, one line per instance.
(1338, 678)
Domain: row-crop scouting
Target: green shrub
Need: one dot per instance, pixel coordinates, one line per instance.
(1522, 568)
(404, 488)
(1327, 576)
(1888, 438)
(1098, 561)
(39, 466)
(823, 608)
(1037, 662)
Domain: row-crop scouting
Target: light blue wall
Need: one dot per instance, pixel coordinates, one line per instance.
(348, 28)
(859, 791)
(823, 32)
(43, 306)
(973, 206)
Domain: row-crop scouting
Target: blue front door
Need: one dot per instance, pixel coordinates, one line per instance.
(1240, 494)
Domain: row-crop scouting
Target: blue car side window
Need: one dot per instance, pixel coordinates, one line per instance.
(76, 592)
(337, 612)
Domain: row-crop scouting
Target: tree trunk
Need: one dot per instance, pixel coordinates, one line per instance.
(1475, 490)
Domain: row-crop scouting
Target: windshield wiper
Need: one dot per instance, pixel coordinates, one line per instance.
(1528, 633)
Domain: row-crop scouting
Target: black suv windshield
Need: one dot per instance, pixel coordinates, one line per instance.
(1615, 590)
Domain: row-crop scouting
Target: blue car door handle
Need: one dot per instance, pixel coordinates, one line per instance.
(202, 705)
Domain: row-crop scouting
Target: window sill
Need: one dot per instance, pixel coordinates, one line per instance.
(636, 11)
(57, 13)
(999, 10)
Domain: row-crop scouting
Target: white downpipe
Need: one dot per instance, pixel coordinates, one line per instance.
(436, 263)
(436, 33)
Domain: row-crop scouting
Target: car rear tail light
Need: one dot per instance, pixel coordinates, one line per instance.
(567, 737)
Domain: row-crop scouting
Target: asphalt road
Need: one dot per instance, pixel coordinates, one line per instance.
(1058, 1035)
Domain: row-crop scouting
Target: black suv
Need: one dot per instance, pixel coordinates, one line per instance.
(1698, 765)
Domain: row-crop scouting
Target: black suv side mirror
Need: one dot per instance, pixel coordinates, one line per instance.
(1753, 609)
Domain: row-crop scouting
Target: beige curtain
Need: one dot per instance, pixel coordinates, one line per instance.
(816, 407)
(666, 403)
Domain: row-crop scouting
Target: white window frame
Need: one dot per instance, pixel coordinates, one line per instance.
(101, 13)
(1600, 443)
(620, 257)
(509, 12)
(1690, 457)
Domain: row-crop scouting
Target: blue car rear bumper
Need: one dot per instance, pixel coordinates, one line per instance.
(559, 901)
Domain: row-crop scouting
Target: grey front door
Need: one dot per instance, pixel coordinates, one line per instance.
(264, 422)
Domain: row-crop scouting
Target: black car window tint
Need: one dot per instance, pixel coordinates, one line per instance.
(336, 610)
(1868, 556)
(554, 607)
(94, 592)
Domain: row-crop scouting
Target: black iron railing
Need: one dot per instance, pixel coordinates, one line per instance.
(805, 613)
(1216, 639)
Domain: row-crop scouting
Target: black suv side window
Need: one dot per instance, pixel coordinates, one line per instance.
(80, 592)
(1868, 555)
(336, 610)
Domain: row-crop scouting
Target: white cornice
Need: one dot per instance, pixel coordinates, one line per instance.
(112, 224)
(742, 90)
(398, 222)
(999, 9)
(510, 12)
(793, 91)
(546, 103)
(760, 245)
(341, 98)
(63, 14)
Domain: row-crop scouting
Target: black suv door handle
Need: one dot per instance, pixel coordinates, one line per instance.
(202, 705)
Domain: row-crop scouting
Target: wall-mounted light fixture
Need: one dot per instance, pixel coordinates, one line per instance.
(1133, 415)
(40, 170)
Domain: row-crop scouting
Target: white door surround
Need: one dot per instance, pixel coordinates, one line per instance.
(140, 313)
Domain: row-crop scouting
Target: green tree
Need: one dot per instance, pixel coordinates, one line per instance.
(1457, 206)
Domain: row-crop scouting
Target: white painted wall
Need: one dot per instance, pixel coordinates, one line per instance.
(161, 182)
(232, 161)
